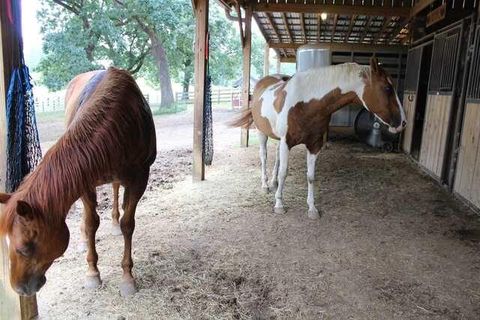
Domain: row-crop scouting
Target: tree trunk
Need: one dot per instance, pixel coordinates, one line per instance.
(187, 76)
(163, 72)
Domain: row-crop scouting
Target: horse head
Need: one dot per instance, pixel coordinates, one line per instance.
(380, 97)
(33, 243)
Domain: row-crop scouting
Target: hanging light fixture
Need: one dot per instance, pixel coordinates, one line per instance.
(323, 16)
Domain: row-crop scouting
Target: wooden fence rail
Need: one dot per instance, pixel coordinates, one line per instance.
(234, 97)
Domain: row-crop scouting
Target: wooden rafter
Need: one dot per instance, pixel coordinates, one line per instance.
(302, 24)
(319, 27)
(343, 9)
(285, 22)
(350, 27)
(364, 33)
(270, 22)
(335, 20)
(384, 27)
(240, 24)
(355, 47)
(396, 31)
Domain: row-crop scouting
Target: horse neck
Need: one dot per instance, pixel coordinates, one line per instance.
(62, 177)
(318, 84)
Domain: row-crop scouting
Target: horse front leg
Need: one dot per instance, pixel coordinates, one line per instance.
(311, 161)
(282, 174)
(262, 138)
(133, 192)
(116, 231)
(91, 223)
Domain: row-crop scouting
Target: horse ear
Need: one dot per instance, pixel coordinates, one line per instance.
(24, 210)
(374, 64)
(4, 197)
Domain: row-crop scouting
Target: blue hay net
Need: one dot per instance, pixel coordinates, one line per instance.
(23, 144)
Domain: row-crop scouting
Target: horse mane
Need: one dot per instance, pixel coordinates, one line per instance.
(89, 149)
(334, 73)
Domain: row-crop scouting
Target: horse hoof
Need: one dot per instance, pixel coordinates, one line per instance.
(116, 231)
(127, 288)
(82, 246)
(93, 282)
(279, 210)
(313, 214)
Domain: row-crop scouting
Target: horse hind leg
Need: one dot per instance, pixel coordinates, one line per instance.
(133, 192)
(116, 231)
(282, 175)
(262, 138)
(91, 223)
(274, 181)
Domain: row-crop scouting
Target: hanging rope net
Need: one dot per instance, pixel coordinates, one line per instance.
(207, 116)
(208, 124)
(23, 144)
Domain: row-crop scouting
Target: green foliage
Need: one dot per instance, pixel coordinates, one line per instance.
(86, 35)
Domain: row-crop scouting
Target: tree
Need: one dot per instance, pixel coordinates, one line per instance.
(150, 38)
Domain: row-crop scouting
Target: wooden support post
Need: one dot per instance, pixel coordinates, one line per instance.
(247, 55)
(279, 64)
(201, 49)
(266, 60)
(11, 306)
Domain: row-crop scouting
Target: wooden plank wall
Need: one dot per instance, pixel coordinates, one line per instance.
(435, 130)
(467, 179)
(409, 104)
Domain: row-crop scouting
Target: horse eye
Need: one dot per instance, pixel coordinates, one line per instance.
(388, 89)
(25, 251)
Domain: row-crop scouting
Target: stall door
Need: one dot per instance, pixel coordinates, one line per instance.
(467, 177)
(443, 71)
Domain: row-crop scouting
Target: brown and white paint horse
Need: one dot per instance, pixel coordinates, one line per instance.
(297, 110)
(110, 138)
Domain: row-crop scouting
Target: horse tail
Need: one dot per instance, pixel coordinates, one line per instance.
(244, 119)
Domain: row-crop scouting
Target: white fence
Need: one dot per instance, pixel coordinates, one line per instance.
(54, 101)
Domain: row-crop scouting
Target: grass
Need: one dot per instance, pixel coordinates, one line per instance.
(175, 108)
(50, 116)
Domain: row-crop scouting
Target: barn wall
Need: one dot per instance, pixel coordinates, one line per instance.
(434, 141)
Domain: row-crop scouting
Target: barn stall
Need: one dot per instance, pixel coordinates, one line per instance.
(392, 243)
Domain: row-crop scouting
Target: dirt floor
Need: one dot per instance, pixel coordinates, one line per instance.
(391, 244)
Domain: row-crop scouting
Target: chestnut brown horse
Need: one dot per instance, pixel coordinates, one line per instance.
(297, 110)
(110, 138)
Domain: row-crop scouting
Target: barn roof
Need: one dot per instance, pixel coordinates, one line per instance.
(346, 25)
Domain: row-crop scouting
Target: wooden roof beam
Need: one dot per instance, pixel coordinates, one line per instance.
(302, 24)
(382, 31)
(270, 22)
(333, 9)
(319, 27)
(350, 27)
(285, 22)
(355, 47)
(335, 20)
(364, 33)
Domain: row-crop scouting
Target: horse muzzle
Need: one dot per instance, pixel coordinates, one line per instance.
(33, 285)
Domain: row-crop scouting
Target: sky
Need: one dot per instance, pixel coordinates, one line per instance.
(32, 39)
